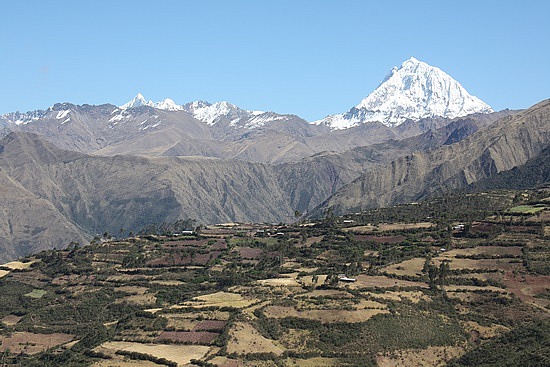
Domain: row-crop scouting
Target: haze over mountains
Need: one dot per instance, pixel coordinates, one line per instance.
(72, 171)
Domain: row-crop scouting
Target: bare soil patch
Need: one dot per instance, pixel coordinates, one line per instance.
(413, 296)
(245, 339)
(219, 299)
(526, 286)
(483, 250)
(372, 281)
(139, 299)
(312, 280)
(131, 289)
(311, 240)
(360, 229)
(210, 325)
(483, 227)
(412, 267)
(219, 245)
(225, 362)
(389, 227)
(176, 259)
(189, 322)
(11, 320)
(250, 253)
(31, 343)
(180, 322)
(324, 316)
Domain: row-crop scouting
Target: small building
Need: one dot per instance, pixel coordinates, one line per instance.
(344, 278)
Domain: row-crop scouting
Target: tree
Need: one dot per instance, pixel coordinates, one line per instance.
(443, 272)
(433, 273)
(303, 234)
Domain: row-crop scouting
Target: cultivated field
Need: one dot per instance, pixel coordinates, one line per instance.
(324, 316)
(181, 354)
(220, 299)
(266, 295)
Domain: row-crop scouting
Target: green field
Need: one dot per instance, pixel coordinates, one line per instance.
(526, 209)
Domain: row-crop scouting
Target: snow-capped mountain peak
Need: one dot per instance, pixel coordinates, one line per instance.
(413, 91)
(168, 105)
(226, 113)
(137, 101)
(211, 113)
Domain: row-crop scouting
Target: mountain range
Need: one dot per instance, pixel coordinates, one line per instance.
(72, 171)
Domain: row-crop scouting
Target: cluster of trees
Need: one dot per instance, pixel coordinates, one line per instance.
(147, 357)
(437, 275)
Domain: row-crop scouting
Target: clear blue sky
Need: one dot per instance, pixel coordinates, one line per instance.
(311, 58)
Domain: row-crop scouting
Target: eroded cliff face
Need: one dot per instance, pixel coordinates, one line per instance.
(508, 143)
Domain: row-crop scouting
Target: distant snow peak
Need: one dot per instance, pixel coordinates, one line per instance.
(168, 105)
(413, 91)
(19, 118)
(139, 100)
(211, 113)
(227, 113)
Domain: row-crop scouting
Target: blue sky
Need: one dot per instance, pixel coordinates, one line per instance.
(310, 58)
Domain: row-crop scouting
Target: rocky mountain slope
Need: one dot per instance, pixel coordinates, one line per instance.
(108, 130)
(508, 143)
(53, 196)
(535, 172)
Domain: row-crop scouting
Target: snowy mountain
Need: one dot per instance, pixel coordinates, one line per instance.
(59, 111)
(413, 91)
(210, 113)
(139, 100)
